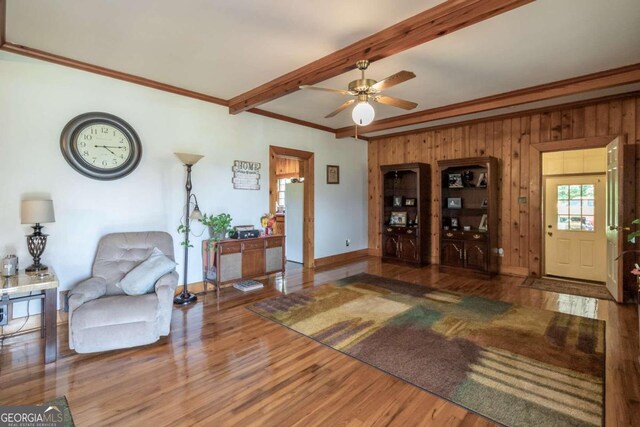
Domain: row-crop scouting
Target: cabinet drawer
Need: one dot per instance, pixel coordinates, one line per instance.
(475, 236)
(254, 244)
(479, 237)
(275, 242)
(400, 230)
(230, 248)
(451, 235)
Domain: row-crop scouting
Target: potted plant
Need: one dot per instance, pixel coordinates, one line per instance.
(631, 238)
(219, 225)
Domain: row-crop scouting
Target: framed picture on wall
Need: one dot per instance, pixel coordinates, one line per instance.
(333, 174)
(397, 201)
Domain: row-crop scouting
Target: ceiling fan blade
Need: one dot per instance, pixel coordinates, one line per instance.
(393, 80)
(340, 108)
(326, 89)
(396, 102)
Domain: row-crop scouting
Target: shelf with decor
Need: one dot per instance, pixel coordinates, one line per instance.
(469, 215)
(406, 201)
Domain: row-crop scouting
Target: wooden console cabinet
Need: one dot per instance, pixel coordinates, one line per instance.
(234, 260)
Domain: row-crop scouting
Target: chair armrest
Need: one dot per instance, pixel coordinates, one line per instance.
(88, 290)
(165, 291)
(169, 280)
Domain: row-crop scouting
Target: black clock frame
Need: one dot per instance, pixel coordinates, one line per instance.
(71, 155)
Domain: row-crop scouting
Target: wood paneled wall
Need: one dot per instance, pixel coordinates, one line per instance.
(509, 139)
(288, 168)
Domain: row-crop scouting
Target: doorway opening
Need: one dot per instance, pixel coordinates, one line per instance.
(574, 206)
(619, 208)
(291, 176)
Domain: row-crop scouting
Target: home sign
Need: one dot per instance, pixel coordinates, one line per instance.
(246, 175)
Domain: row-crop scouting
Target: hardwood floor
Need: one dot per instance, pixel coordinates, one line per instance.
(223, 365)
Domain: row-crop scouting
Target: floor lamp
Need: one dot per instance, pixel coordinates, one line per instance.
(185, 297)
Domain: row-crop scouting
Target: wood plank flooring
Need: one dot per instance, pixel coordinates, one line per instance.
(223, 365)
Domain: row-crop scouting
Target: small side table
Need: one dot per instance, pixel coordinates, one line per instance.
(46, 285)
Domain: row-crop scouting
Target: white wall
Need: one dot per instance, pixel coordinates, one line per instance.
(37, 99)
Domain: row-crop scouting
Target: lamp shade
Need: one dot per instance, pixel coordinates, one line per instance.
(363, 114)
(196, 214)
(36, 211)
(188, 159)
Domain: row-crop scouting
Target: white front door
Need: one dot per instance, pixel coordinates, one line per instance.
(575, 236)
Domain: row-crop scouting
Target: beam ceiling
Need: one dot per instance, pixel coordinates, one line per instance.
(436, 22)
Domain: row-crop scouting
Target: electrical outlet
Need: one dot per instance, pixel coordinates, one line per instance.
(348, 242)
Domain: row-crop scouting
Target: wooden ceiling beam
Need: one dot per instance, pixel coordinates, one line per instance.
(3, 21)
(433, 23)
(602, 80)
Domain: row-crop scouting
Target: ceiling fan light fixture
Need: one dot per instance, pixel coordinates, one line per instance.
(363, 113)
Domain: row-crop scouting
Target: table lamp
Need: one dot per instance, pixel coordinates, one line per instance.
(36, 212)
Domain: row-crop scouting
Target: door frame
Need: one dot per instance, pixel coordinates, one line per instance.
(308, 221)
(536, 228)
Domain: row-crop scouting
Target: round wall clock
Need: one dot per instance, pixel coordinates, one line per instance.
(101, 146)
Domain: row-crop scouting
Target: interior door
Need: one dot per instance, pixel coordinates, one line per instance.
(620, 203)
(294, 200)
(575, 232)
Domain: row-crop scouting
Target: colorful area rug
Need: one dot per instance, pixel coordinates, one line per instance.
(589, 290)
(515, 365)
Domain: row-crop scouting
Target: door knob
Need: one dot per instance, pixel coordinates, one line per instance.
(549, 233)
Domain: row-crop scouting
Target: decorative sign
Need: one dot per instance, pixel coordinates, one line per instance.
(246, 175)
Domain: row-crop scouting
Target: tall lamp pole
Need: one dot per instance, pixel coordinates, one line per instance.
(186, 297)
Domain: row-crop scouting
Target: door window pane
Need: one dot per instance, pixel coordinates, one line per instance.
(563, 207)
(563, 222)
(576, 207)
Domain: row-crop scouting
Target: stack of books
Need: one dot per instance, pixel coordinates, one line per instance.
(248, 285)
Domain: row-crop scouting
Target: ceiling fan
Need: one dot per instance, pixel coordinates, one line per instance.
(365, 90)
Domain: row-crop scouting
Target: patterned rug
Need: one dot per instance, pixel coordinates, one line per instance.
(590, 290)
(515, 365)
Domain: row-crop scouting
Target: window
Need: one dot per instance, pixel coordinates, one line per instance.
(576, 207)
(281, 188)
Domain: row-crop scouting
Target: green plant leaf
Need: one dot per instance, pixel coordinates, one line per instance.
(633, 235)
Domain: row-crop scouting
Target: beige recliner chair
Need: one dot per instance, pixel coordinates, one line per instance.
(101, 316)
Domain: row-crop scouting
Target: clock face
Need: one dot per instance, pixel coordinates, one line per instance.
(101, 146)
